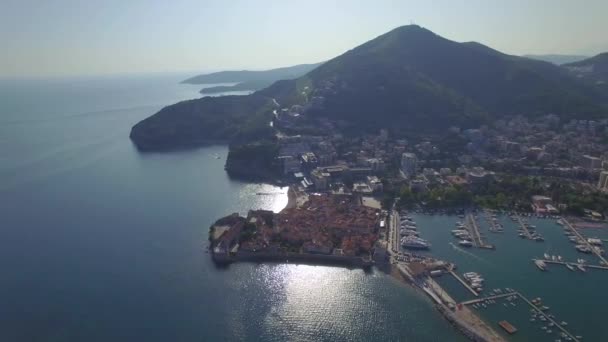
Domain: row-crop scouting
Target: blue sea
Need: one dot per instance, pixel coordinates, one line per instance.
(99, 242)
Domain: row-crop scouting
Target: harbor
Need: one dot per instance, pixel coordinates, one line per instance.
(507, 266)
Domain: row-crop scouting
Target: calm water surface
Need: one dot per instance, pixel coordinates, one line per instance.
(101, 243)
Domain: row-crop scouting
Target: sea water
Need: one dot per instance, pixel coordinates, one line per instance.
(99, 242)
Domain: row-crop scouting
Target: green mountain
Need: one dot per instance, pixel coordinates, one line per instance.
(557, 59)
(407, 79)
(203, 121)
(594, 69)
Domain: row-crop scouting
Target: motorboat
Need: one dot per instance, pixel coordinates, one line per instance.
(412, 242)
(465, 243)
(541, 265)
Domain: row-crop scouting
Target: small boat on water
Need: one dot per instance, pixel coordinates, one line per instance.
(583, 249)
(570, 267)
(541, 265)
(546, 256)
(465, 243)
(581, 268)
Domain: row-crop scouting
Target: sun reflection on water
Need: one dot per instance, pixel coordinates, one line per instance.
(266, 196)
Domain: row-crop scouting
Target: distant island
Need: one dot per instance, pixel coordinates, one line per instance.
(248, 79)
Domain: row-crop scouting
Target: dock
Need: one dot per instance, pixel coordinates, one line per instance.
(556, 324)
(479, 300)
(524, 227)
(494, 227)
(464, 283)
(599, 267)
(581, 237)
(534, 307)
(471, 225)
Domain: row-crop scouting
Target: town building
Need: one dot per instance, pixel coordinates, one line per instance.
(409, 164)
(543, 205)
(477, 176)
(320, 179)
(590, 162)
(603, 182)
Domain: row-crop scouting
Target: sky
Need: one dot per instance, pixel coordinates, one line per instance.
(86, 37)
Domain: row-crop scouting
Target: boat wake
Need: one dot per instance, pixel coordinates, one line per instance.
(468, 253)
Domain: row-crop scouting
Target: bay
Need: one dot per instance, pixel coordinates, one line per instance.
(99, 242)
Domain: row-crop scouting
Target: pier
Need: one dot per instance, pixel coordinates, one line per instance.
(539, 311)
(524, 227)
(464, 283)
(599, 267)
(471, 224)
(581, 237)
(479, 300)
(494, 227)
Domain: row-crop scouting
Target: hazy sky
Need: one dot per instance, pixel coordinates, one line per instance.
(72, 37)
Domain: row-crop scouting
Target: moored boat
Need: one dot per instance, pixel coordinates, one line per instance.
(541, 265)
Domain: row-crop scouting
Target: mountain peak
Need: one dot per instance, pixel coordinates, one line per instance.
(407, 31)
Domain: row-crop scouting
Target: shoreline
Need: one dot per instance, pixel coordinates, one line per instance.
(471, 326)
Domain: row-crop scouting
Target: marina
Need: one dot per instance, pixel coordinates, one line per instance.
(537, 309)
(506, 266)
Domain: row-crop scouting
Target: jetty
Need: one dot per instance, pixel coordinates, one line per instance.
(464, 283)
(524, 227)
(534, 307)
(564, 263)
(471, 225)
(584, 240)
(494, 227)
(482, 299)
